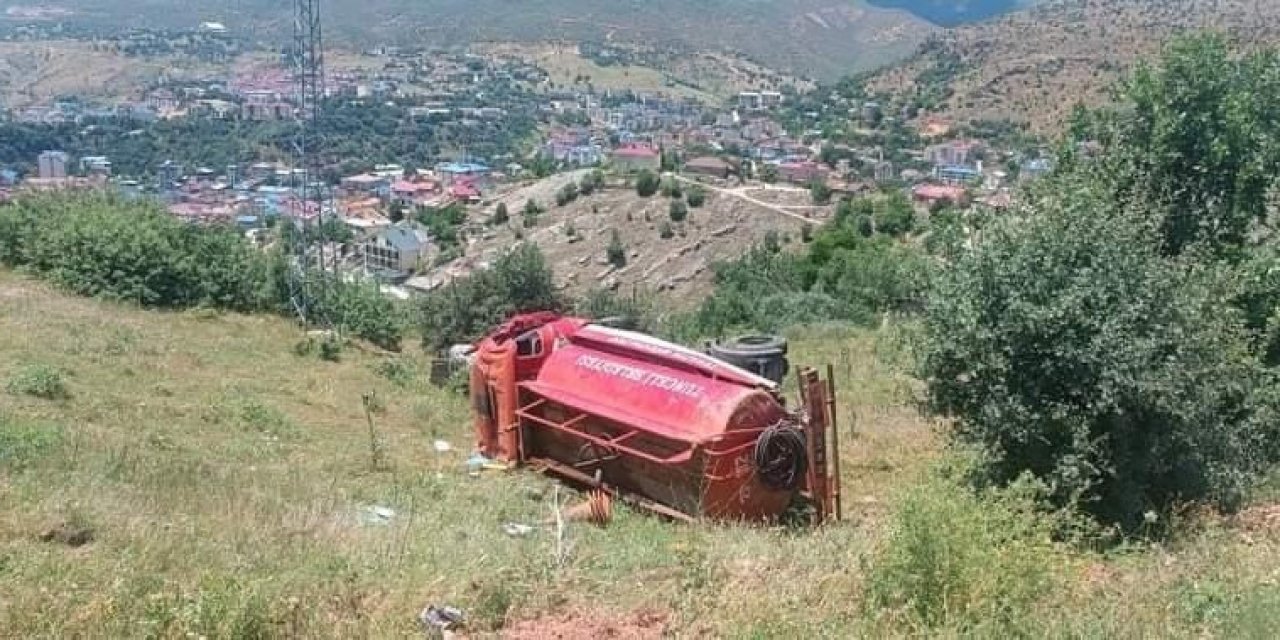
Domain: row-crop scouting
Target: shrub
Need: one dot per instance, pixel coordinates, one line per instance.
(568, 193)
(677, 211)
(135, 251)
(968, 563)
(665, 231)
(696, 196)
(21, 444)
(531, 212)
(647, 183)
(1065, 345)
(819, 192)
(501, 215)
(467, 307)
(615, 252)
(635, 309)
(39, 381)
(671, 188)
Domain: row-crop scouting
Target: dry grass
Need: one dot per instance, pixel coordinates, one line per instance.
(224, 482)
(1034, 66)
(35, 72)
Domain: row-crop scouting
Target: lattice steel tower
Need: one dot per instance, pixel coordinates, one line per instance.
(312, 266)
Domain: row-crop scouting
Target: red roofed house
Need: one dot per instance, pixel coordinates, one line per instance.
(636, 157)
(412, 194)
(464, 191)
(931, 194)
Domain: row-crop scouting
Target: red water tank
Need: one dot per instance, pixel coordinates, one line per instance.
(680, 431)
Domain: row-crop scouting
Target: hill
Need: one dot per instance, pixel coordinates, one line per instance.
(198, 478)
(1033, 66)
(574, 237)
(823, 38)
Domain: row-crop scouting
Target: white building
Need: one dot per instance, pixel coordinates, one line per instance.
(53, 164)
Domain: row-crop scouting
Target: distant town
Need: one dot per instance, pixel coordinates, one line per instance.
(458, 98)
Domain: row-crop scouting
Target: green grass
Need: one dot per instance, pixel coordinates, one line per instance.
(226, 482)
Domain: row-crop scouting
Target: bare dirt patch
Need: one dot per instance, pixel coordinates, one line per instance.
(588, 625)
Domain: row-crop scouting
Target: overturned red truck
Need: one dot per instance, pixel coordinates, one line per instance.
(668, 428)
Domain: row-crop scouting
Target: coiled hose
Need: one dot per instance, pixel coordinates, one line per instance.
(781, 457)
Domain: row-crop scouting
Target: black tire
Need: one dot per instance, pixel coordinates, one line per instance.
(763, 355)
(753, 346)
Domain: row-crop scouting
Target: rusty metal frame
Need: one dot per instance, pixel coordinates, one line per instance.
(609, 444)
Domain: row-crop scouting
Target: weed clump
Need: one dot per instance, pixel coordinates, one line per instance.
(963, 561)
(39, 381)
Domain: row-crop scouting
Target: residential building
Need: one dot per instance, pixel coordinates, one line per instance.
(957, 175)
(802, 172)
(954, 153)
(932, 194)
(365, 183)
(710, 166)
(398, 248)
(95, 165)
(636, 157)
(52, 164)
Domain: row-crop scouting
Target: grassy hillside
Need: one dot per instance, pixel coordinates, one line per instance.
(818, 37)
(225, 484)
(1034, 66)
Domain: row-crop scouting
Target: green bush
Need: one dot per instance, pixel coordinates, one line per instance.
(637, 310)
(97, 245)
(101, 246)
(696, 196)
(647, 183)
(568, 193)
(1067, 346)
(500, 214)
(677, 211)
(39, 381)
(21, 444)
(665, 231)
(963, 563)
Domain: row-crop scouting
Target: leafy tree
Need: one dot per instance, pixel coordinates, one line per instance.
(616, 252)
(1199, 136)
(894, 215)
(671, 188)
(647, 183)
(1066, 345)
(467, 307)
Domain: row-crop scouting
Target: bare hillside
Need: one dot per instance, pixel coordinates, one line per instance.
(575, 237)
(1034, 66)
(824, 38)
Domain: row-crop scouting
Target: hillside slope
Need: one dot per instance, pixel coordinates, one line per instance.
(1034, 66)
(818, 37)
(678, 269)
